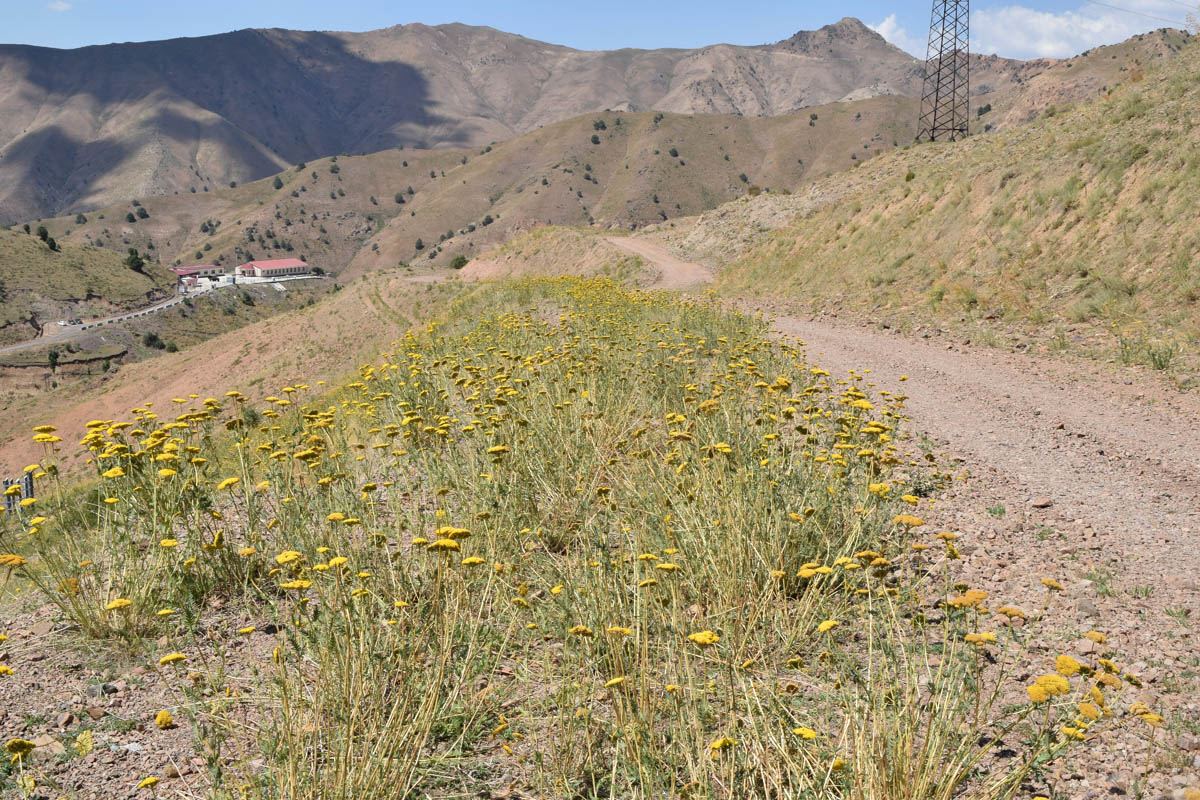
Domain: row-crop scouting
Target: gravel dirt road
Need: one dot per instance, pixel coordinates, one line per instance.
(1073, 470)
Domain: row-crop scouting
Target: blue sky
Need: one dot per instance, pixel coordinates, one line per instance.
(1015, 28)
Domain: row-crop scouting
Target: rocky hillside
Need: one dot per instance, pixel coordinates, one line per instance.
(426, 207)
(83, 128)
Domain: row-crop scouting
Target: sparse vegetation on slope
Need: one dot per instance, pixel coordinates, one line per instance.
(39, 285)
(1084, 220)
(459, 202)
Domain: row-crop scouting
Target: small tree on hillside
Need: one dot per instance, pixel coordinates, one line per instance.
(135, 262)
(42, 233)
(278, 182)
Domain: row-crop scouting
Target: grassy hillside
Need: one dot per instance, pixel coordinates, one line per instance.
(340, 210)
(322, 211)
(310, 342)
(628, 170)
(1082, 221)
(40, 285)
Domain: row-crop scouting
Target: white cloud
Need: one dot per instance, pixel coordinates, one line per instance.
(58, 5)
(894, 32)
(1019, 32)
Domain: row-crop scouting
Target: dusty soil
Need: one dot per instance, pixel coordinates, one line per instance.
(673, 273)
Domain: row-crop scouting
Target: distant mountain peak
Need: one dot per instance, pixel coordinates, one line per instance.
(846, 31)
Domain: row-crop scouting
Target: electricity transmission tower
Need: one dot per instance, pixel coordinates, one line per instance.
(945, 100)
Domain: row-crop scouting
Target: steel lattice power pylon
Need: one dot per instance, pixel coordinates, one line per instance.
(945, 101)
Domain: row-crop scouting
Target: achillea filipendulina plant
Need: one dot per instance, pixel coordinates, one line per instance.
(616, 542)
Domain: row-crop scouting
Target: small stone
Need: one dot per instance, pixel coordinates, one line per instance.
(171, 771)
(47, 745)
(64, 719)
(96, 713)
(1088, 608)
(1042, 502)
(101, 689)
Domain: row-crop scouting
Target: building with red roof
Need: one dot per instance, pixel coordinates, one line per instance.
(273, 268)
(188, 276)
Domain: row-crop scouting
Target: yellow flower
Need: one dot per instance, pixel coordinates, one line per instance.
(228, 483)
(165, 612)
(163, 719)
(19, 748)
(443, 545)
(497, 450)
(704, 638)
(723, 743)
(616, 630)
(805, 733)
(981, 638)
(581, 630)
(1037, 693)
(908, 521)
(166, 472)
(299, 584)
(1054, 684)
(147, 783)
(1067, 666)
(614, 682)
(288, 557)
(169, 543)
(118, 604)
(827, 625)
(246, 631)
(471, 561)
(171, 658)
(1052, 584)
(1097, 637)
(115, 472)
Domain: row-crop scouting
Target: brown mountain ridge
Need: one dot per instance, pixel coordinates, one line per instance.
(87, 127)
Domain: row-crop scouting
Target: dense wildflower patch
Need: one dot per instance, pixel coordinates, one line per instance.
(584, 539)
